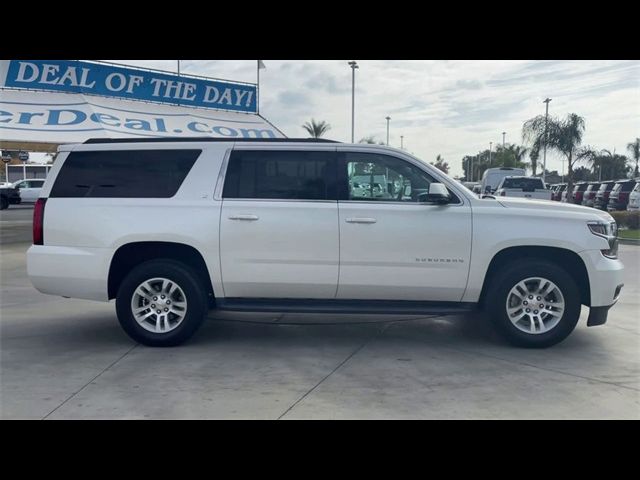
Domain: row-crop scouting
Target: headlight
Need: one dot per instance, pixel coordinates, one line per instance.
(608, 231)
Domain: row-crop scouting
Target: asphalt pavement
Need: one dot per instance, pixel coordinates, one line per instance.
(64, 358)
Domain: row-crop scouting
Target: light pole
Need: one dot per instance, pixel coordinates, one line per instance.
(353, 66)
(490, 147)
(503, 144)
(178, 67)
(402, 142)
(544, 154)
(388, 118)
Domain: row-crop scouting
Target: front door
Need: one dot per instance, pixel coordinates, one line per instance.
(392, 245)
(279, 224)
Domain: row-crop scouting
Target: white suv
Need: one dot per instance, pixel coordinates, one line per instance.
(170, 228)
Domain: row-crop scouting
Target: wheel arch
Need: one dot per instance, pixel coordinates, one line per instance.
(567, 259)
(129, 255)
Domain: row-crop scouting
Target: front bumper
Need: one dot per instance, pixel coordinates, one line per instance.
(605, 278)
(598, 316)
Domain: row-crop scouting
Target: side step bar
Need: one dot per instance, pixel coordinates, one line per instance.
(343, 306)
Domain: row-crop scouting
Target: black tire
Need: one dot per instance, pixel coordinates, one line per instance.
(190, 284)
(4, 203)
(508, 277)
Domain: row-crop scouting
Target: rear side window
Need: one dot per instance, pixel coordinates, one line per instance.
(124, 173)
(605, 187)
(281, 175)
(523, 183)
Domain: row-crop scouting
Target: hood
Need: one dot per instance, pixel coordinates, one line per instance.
(559, 208)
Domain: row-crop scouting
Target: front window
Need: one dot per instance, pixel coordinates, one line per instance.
(377, 177)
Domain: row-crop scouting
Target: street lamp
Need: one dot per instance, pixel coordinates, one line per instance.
(353, 66)
(503, 134)
(388, 118)
(402, 142)
(544, 155)
(490, 147)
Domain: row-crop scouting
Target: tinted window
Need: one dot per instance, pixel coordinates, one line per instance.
(281, 175)
(124, 173)
(523, 183)
(581, 187)
(605, 187)
(37, 183)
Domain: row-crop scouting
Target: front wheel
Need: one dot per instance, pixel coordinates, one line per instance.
(534, 303)
(161, 303)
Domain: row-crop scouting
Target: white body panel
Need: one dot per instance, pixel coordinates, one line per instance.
(538, 194)
(28, 192)
(411, 252)
(307, 249)
(279, 249)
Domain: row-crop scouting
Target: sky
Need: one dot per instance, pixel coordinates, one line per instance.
(451, 108)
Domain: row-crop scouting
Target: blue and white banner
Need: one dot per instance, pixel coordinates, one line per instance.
(32, 116)
(108, 80)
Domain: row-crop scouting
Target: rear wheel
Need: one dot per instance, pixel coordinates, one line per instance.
(161, 303)
(534, 303)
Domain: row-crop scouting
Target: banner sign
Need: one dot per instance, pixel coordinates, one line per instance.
(27, 115)
(107, 80)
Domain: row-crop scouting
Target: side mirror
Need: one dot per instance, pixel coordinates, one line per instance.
(438, 193)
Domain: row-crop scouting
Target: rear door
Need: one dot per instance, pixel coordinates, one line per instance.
(279, 223)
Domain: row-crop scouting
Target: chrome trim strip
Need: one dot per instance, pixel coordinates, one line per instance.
(217, 193)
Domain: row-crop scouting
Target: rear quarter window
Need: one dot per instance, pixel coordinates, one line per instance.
(124, 173)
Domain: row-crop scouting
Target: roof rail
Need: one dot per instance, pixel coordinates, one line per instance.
(208, 139)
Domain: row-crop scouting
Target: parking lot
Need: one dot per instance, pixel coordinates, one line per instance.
(63, 358)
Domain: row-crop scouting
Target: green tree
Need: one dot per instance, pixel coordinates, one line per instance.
(607, 165)
(634, 148)
(440, 164)
(316, 129)
(562, 135)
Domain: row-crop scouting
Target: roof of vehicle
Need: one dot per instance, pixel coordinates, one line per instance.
(208, 139)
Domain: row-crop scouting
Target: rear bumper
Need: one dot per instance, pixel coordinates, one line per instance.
(76, 272)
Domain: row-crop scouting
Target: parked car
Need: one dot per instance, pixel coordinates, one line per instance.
(492, 177)
(557, 194)
(602, 195)
(578, 191)
(619, 196)
(9, 196)
(634, 198)
(29, 189)
(589, 195)
(172, 228)
(525, 187)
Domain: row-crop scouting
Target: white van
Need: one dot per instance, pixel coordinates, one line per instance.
(493, 176)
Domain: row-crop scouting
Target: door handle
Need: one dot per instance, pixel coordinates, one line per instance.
(361, 220)
(250, 218)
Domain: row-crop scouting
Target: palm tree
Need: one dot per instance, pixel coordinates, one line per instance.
(316, 129)
(370, 139)
(634, 148)
(564, 136)
(534, 154)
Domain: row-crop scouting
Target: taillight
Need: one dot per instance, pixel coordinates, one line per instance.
(38, 222)
(623, 196)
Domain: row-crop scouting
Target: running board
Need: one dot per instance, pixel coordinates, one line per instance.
(343, 306)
